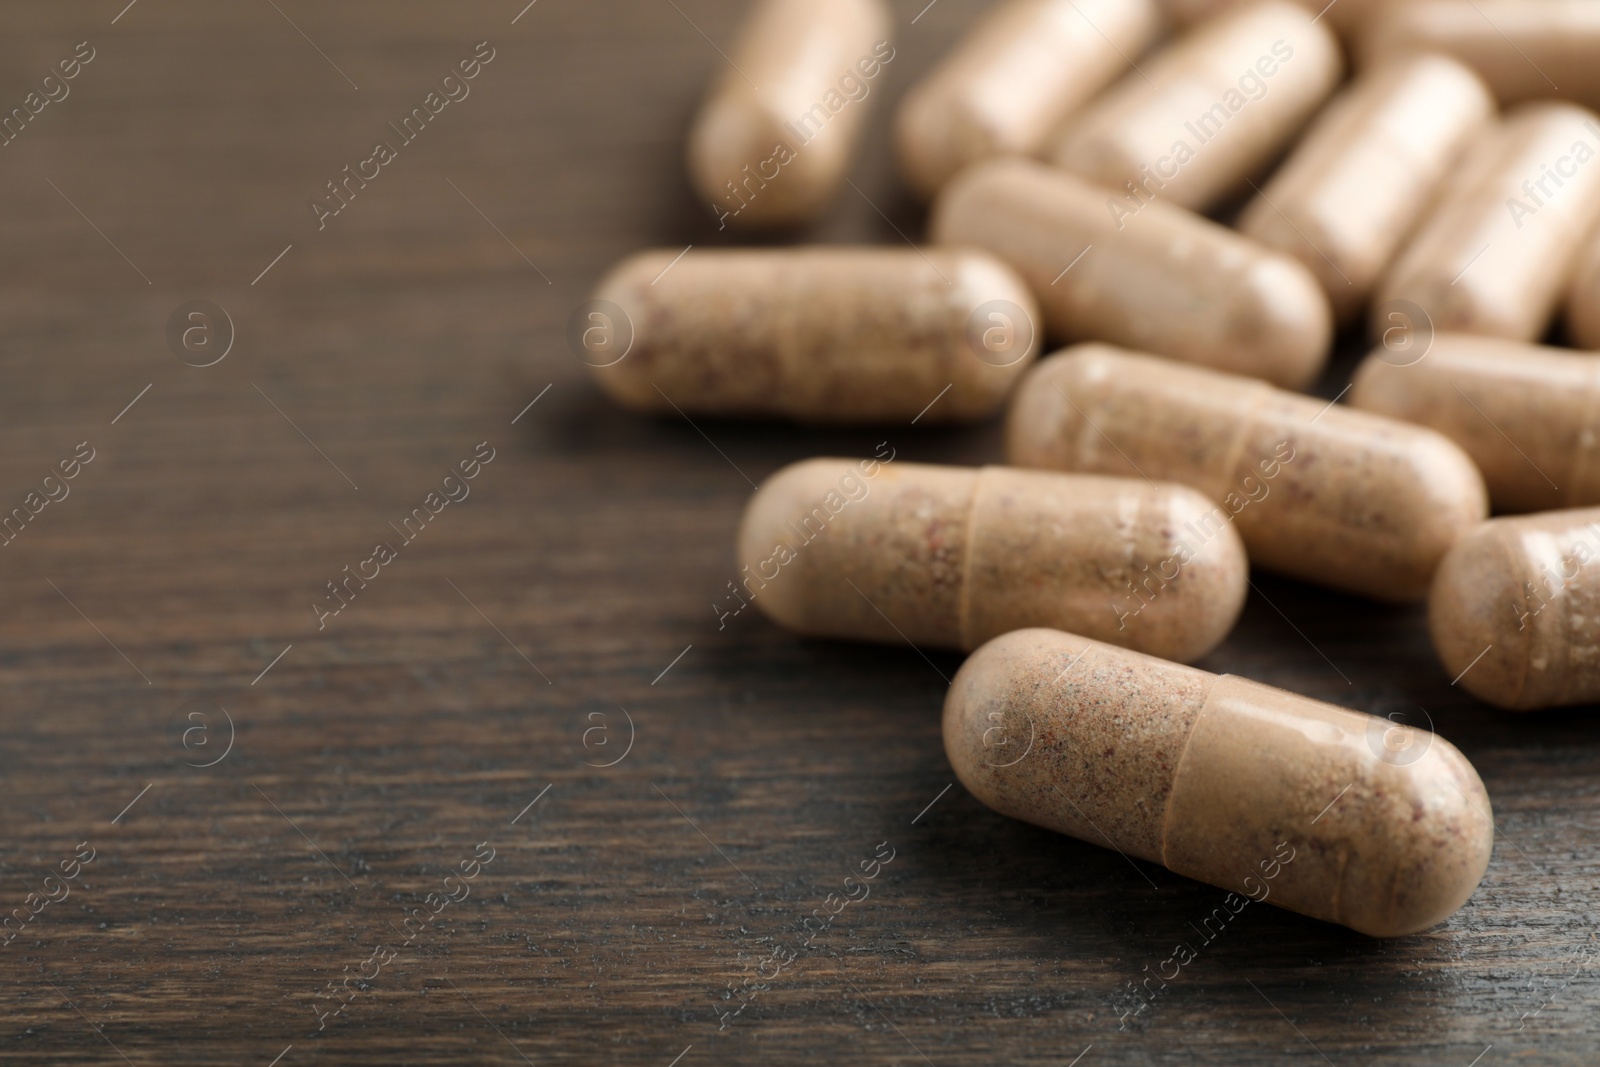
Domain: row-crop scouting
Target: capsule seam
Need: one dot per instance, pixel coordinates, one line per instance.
(1565, 670)
(1514, 565)
(1247, 418)
(964, 604)
(1177, 767)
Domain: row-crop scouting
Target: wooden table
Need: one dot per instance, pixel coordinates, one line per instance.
(468, 700)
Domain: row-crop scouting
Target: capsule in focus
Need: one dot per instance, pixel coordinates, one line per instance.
(1334, 814)
(772, 143)
(1008, 86)
(1494, 255)
(1524, 50)
(815, 334)
(1159, 278)
(1529, 416)
(1209, 111)
(1515, 610)
(949, 557)
(1320, 492)
(1366, 172)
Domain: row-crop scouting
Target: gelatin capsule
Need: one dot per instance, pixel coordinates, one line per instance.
(1515, 610)
(1208, 112)
(1348, 17)
(951, 556)
(772, 144)
(1158, 278)
(1525, 51)
(1320, 492)
(1527, 415)
(1007, 87)
(823, 334)
(1495, 254)
(1334, 814)
(1366, 172)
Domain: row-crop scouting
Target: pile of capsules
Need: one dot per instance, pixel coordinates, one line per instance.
(1448, 191)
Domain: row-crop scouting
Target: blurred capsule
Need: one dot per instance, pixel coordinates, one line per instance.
(1008, 86)
(1158, 278)
(1196, 121)
(773, 141)
(1367, 171)
(820, 334)
(1529, 416)
(1524, 49)
(1495, 254)
(1348, 17)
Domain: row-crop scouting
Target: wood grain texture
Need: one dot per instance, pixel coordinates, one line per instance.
(377, 753)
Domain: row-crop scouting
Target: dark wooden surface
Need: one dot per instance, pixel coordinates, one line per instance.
(622, 908)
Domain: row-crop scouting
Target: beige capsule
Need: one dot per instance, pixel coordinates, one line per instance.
(951, 556)
(1365, 173)
(1008, 86)
(1338, 497)
(818, 334)
(1515, 610)
(1334, 814)
(1209, 111)
(1160, 278)
(1525, 50)
(1349, 17)
(1529, 416)
(1494, 255)
(772, 143)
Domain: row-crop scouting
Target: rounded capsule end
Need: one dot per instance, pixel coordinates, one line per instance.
(1003, 335)
(744, 163)
(1444, 845)
(1044, 423)
(987, 726)
(611, 333)
(1474, 618)
(934, 138)
(771, 556)
(1447, 502)
(1380, 386)
(1212, 579)
(1289, 323)
(961, 207)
